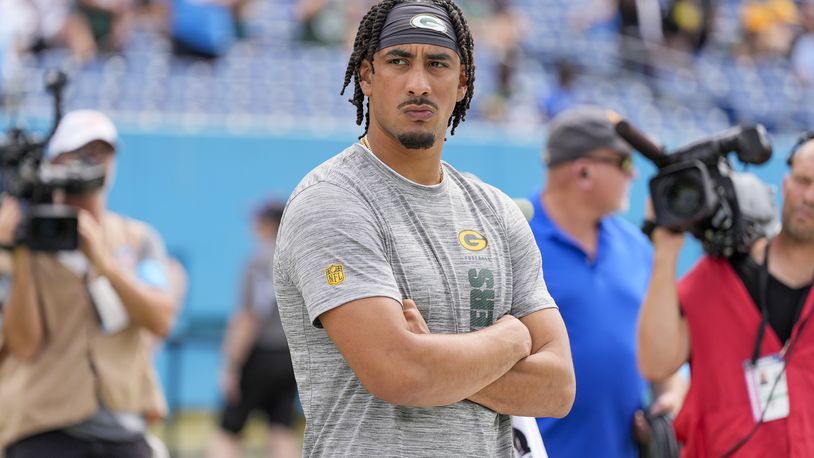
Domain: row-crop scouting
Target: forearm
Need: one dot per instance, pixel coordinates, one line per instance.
(151, 308)
(23, 325)
(662, 330)
(441, 369)
(240, 336)
(668, 394)
(400, 362)
(674, 384)
(541, 385)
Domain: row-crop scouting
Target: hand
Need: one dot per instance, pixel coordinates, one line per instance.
(415, 322)
(668, 402)
(641, 429)
(665, 240)
(230, 385)
(10, 216)
(519, 330)
(649, 213)
(91, 242)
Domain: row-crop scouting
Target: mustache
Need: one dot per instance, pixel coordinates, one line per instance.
(418, 101)
(804, 206)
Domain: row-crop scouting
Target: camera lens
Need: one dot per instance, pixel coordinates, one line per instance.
(48, 229)
(684, 197)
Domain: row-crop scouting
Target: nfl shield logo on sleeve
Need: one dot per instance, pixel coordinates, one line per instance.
(335, 274)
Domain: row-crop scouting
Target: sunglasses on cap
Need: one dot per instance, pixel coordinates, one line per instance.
(622, 162)
(802, 140)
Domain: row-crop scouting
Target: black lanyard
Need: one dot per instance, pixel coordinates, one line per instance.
(763, 301)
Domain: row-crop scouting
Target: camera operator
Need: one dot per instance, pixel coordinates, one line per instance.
(77, 380)
(716, 318)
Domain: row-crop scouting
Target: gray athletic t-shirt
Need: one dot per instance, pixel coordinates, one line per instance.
(354, 228)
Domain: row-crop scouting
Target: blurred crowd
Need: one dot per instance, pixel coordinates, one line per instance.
(764, 28)
(525, 50)
(89, 28)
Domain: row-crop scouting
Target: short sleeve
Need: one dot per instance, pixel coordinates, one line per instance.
(257, 287)
(530, 292)
(332, 249)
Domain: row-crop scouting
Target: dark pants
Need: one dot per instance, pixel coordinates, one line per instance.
(267, 384)
(62, 445)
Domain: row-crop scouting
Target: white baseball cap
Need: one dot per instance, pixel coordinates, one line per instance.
(80, 127)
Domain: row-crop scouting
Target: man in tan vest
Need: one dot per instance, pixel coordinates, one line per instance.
(76, 378)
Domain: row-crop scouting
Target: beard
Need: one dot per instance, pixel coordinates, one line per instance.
(800, 233)
(415, 140)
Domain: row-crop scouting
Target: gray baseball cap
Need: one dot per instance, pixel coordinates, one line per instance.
(580, 131)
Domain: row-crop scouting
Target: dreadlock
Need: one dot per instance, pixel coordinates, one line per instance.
(367, 40)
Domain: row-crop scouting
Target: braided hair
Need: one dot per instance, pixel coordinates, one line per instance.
(367, 40)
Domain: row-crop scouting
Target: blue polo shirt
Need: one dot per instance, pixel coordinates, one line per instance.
(599, 301)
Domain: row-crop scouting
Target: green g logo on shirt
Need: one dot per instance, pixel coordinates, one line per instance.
(426, 21)
(472, 240)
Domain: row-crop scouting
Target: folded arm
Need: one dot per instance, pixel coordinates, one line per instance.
(541, 385)
(422, 370)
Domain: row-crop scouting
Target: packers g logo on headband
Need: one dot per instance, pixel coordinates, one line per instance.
(472, 240)
(427, 21)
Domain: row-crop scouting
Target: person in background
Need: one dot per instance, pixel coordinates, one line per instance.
(257, 373)
(801, 56)
(741, 325)
(77, 379)
(108, 22)
(563, 96)
(597, 267)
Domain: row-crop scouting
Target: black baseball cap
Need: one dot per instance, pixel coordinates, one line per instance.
(271, 210)
(580, 131)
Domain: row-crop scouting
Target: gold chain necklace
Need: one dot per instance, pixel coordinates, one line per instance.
(366, 144)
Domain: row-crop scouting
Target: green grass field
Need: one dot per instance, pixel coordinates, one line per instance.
(190, 434)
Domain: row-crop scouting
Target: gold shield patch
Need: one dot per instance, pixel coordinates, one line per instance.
(335, 274)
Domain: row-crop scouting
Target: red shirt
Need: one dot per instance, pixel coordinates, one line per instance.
(723, 324)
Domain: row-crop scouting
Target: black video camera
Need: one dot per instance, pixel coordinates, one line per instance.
(697, 190)
(24, 174)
